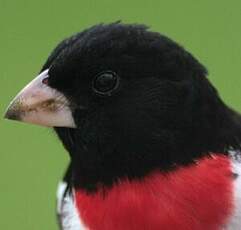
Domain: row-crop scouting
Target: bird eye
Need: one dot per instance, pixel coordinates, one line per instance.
(105, 83)
(45, 81)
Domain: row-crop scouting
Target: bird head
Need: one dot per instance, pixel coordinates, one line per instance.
(125, 101)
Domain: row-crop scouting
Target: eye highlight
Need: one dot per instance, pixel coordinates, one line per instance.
(105, 83)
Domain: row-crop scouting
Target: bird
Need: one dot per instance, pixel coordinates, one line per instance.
(152, 145)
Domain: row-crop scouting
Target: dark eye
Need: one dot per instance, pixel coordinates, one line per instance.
(105, 83)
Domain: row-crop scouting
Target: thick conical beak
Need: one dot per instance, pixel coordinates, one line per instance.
(40, 104)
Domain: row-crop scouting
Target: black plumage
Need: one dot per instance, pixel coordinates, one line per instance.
(162, 114)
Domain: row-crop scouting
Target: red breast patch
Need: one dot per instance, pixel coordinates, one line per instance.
(194, 197)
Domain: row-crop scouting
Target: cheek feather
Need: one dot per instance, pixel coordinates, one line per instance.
(195, 197)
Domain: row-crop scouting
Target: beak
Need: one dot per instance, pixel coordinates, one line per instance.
(40, 104)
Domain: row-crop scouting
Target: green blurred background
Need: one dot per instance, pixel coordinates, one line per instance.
(32, 160)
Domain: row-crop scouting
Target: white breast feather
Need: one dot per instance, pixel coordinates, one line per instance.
(66, 210)
(235, 220)
(69, 218)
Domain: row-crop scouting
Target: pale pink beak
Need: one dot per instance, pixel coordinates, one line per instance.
(37, 103)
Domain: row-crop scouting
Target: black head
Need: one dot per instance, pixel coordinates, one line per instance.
(140, 103)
